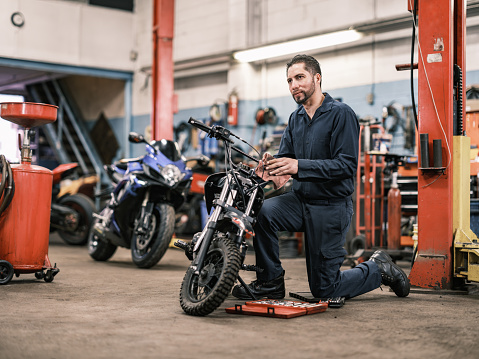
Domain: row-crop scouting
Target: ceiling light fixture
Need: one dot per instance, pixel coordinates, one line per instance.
(297, 46)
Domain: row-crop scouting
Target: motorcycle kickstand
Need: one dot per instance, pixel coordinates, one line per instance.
(247, 288)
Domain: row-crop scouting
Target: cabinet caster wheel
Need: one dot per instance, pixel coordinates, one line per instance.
(6, 272)
(39, 275)
(48, 276)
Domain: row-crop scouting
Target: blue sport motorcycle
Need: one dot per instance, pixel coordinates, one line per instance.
(140, 214)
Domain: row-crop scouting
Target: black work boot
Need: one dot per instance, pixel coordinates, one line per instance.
(273, 289)
(391, 274)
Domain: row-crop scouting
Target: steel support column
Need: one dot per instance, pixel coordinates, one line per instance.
(162, 69)
(441, 30)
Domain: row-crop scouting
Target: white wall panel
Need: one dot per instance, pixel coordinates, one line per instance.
(68, 33)
(237, 24)
(201, 28)
(472, 48)
(205, 96)
(293, 19)
(50, 33)
(106, 38)
(390, 8)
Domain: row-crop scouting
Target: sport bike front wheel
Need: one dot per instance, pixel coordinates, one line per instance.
(149, 247)
(99, 249)
(202, 294)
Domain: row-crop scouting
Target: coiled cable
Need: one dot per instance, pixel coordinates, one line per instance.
(7, 185)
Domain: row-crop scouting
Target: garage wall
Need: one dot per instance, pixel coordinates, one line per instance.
(206, 34)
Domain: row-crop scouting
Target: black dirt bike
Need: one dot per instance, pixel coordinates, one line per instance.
(218, 252)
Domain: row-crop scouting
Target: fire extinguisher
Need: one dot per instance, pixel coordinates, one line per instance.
(233, 109)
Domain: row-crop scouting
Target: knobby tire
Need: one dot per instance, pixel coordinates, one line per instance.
(218, 286)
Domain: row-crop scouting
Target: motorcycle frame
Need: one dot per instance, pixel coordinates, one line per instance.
(238, 219)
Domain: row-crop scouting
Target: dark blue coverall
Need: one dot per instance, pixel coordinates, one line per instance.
(319, 204)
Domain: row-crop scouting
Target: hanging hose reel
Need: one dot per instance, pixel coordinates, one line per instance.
(7, 185)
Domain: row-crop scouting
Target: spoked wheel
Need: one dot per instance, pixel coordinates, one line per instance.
(148, 248)
(6, 272)
(202, 294)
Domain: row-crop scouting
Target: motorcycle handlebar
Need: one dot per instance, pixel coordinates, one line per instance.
(218, 132)
(221, 133)
(200, 125)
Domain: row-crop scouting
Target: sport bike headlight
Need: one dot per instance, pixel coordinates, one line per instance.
(171, 174)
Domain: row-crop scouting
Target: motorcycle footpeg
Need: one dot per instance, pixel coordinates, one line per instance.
(252, 268)
(186, 247)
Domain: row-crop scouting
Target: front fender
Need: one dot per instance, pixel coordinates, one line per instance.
(239, 222)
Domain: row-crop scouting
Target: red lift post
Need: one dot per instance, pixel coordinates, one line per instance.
(162, 70)
(441, 44)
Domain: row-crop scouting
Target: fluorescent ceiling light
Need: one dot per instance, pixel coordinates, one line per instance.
(297, 46)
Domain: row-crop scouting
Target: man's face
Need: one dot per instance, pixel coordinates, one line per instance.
(301, 83)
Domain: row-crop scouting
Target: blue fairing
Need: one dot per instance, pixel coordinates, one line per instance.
(134, 166)
(153, 160)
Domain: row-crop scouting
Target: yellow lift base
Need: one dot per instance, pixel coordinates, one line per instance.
(466, 243)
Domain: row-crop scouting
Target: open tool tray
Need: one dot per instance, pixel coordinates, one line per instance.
(284, 309)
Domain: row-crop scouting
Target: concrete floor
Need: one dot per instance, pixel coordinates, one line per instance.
(115, 310)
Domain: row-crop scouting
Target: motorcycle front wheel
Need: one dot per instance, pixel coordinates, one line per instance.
(98, 249)
(148, 248)
(85, 207)
(201, 294)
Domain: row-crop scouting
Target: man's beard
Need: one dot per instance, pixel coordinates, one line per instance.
(307, 95)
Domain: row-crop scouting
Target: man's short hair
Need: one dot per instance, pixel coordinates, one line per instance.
(310, 64)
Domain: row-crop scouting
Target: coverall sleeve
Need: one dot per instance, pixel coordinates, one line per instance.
(286, 147)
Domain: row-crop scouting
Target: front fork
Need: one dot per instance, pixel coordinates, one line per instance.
(203, 242)
(145, 215)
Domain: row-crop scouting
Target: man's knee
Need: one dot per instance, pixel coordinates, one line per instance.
(266, 212)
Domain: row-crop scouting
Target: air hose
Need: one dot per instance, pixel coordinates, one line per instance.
(414, 13)
(7, 185)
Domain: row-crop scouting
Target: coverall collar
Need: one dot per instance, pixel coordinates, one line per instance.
(325, 106)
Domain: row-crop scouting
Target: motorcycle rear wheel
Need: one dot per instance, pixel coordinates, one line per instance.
(201, 294)
(147, 250)
(85, 207)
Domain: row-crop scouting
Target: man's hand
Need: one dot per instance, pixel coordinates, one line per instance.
(281, 166)
(266, 157)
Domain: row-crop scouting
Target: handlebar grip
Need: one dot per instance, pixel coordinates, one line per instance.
(200, 125)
